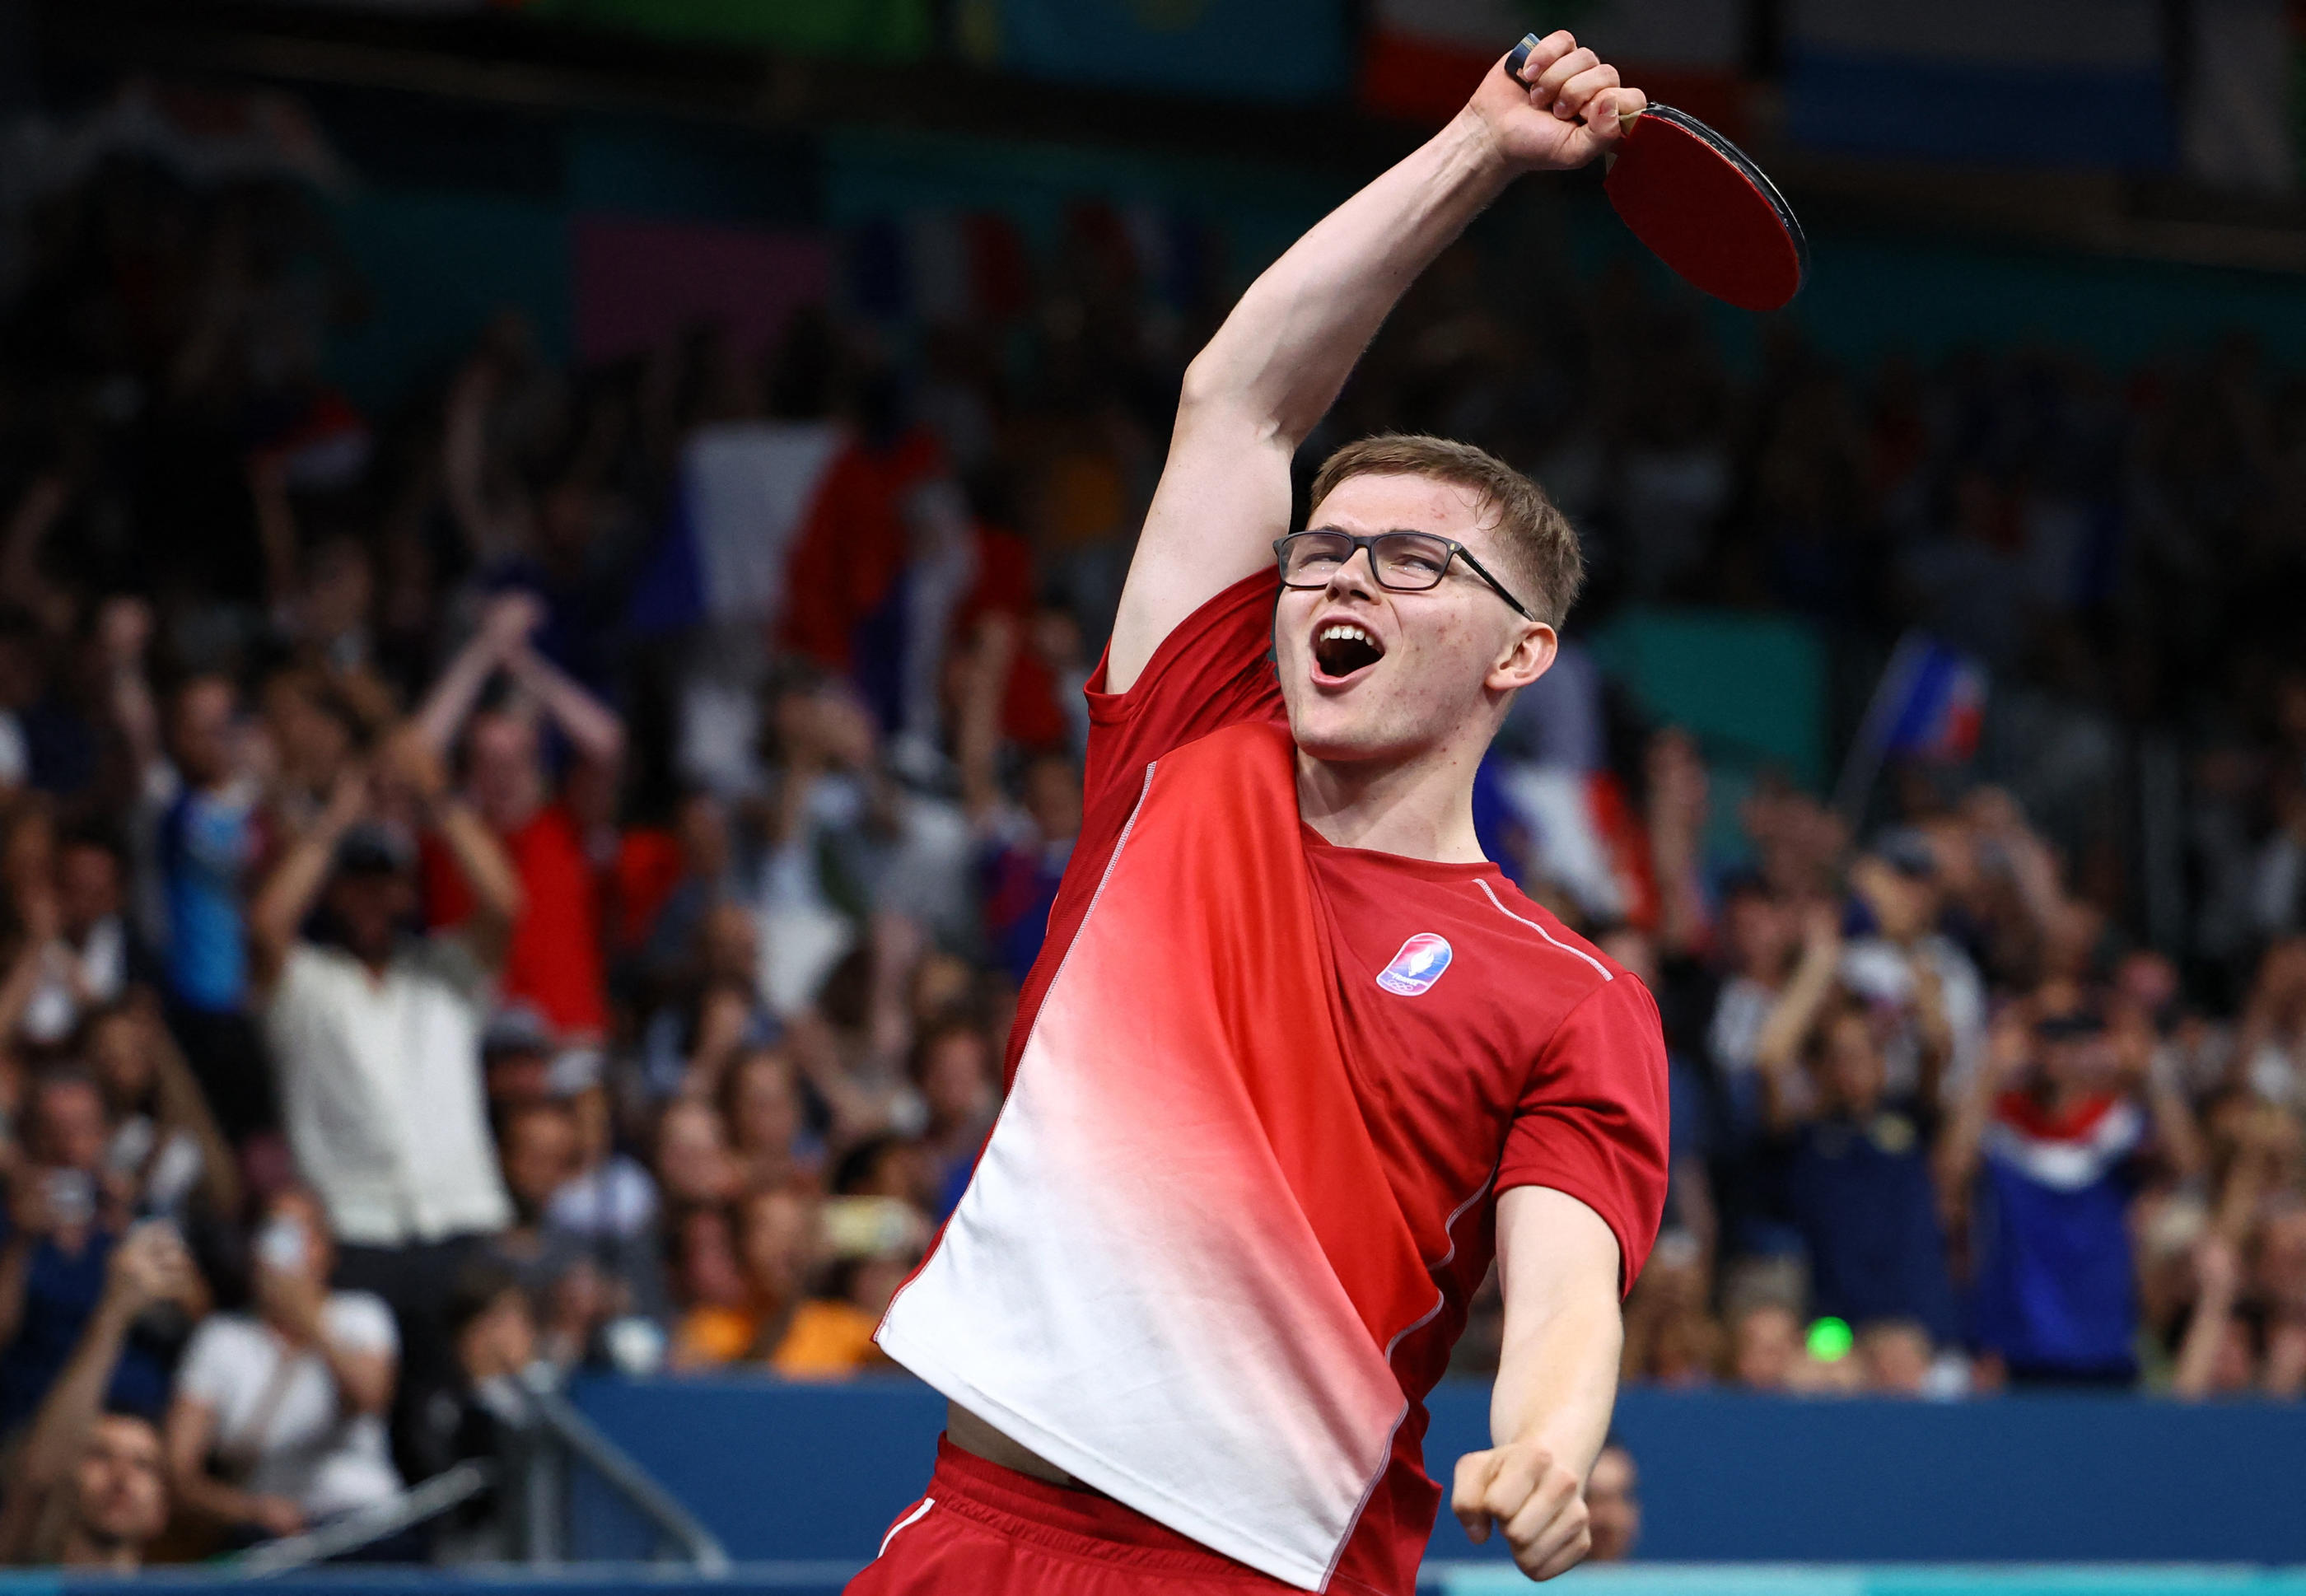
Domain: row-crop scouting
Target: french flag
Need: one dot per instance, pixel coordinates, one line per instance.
(745, 492)
(1930, 704)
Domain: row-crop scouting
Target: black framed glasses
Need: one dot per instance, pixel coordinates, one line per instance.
(1404, 561)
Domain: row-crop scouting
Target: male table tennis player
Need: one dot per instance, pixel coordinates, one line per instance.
(1297, 1059)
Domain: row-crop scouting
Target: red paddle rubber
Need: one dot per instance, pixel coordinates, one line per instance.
(1707, 211)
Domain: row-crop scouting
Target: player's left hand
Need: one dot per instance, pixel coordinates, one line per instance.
(1566, 107)
(1538, 1502)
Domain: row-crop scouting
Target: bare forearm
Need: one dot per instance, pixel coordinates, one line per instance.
(1558, 1382)
(481, 860)
(442, 714)
(1289, 344)
(597, 730)
(73, 1402)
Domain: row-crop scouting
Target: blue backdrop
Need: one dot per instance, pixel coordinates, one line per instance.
(817, 1471)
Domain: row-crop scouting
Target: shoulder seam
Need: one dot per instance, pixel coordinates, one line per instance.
(1600, 968)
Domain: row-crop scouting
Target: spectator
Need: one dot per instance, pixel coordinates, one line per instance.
(554, 959)
(377, 1038)
(1856, 1167)
(277, 1424)
(761, 1105)
(2053, 1130)
(89, 1489)
(776, 1247)
(165, 1145)
(206, 842)
(64, 1220)
(1613, 1504)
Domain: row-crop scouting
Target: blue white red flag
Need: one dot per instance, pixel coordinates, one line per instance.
(1929, 705)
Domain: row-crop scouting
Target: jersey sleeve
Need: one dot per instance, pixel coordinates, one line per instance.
(1214, 671)
(1593, 1120)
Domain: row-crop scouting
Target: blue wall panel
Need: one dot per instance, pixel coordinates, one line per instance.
(816, 1471)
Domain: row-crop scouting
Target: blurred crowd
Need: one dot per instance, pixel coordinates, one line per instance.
(425, 957)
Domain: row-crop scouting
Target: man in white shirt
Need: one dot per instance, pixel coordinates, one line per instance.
(376, 1037)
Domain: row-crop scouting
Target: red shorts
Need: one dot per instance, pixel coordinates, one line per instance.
(987, 1531)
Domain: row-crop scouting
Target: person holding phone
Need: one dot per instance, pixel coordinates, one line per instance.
(64, 1217)
(279, 1418)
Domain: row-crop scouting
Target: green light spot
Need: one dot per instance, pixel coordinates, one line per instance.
(1830, 1340)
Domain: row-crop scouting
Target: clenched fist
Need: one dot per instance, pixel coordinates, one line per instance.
(1538, 1502)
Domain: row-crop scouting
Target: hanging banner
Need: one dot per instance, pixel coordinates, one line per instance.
(1291, 50)
(2001, 83)
(1423, 57)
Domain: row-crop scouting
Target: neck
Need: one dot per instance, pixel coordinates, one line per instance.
(1421, 809)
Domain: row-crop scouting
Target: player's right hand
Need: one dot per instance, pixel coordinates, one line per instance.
(1538, 1501)
(1566, 107)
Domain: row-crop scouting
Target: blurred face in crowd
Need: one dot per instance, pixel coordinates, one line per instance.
(1849, 1070)
(2086, 1062)
(1426, 667)
(1904, 905)
(504, 769)
(200, 731)
(1765, 1346)
(1760, 935)
(776, 1243)
(957, 1077)
(118, 1058)
(730, 942)
(703, 826)
(292, 1249)
(540, 1154)
(708, 1260)
(1612, 1506)
(369, 907)
(764, 1107)
(1895, 1355)
(68, 1127)
(88, 887)
(517, 1075)
(500, 1339)
(119, 1493)
(692, 1157)
(1052, 797)
(313, 739)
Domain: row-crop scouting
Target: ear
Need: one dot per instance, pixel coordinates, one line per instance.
(1528, 655)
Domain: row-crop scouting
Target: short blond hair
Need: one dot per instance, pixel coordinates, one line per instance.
(1539, 538)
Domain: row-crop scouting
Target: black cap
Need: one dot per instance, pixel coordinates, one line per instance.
(369, 849)
(2073, 1027)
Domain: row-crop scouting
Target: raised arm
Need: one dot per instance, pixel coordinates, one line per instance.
(597, 731)
(1557, 1381)
(149, 1265)
(412, 761)
(1275, 367)
(1776, 1051)
(289, 893)
(510, 618)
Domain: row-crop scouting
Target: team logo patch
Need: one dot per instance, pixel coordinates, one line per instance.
(1419, 964)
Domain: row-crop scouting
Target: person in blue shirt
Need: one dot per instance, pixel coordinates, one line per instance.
(1852, 1159)
(2047, 1146)
(205, 842)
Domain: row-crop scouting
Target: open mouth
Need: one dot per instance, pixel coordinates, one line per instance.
(1341, 648)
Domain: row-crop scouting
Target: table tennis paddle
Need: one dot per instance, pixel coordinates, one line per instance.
(1702, 205)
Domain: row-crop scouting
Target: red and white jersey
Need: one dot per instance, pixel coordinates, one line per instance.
(1263, 1092)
